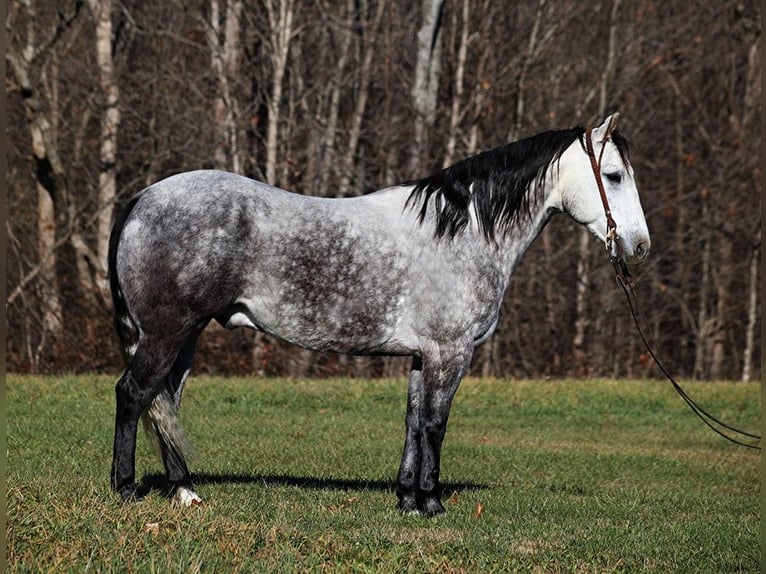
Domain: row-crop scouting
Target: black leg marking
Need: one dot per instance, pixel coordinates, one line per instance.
(134, 392)
(433, 383)
(409, 469)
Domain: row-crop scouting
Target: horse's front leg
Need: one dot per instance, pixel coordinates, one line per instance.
(431, 391)
(409, 470)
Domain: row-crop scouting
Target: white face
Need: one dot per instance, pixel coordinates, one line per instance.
(582, 201)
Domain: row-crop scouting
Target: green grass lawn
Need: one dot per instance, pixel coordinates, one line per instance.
(297, 476)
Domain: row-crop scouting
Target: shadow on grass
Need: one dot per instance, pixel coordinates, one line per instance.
(158, 483)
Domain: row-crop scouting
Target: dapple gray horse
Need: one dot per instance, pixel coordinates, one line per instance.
(417, 269)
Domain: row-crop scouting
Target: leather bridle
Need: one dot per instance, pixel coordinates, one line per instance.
(612, 239)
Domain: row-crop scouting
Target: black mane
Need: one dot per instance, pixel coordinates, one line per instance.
(498, 181)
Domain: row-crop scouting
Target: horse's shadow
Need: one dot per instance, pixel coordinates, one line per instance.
(156, 482)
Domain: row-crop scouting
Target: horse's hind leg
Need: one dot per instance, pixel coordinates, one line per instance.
(162, 424)
(135, 390)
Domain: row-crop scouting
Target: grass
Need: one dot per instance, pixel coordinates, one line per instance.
(569, 476)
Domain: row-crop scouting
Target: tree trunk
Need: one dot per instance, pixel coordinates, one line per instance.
(327, 146)
(53, 320)
(50, 182)
(584, 253)
(365, 76)
(281, 30)
(752, 99)
(225, 59)
(752, 312)
(581, 298)
(703, 322)
(457, 98)
(722, 279)
(427, 70)
(521, 77)
(110, 122)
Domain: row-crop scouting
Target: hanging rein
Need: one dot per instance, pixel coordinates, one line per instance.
(625, 281)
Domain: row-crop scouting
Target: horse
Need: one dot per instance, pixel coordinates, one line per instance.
(417, 269)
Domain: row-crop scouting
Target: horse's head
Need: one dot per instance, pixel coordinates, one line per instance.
(581, 197)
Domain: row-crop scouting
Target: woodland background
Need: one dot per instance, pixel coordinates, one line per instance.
(341, 97)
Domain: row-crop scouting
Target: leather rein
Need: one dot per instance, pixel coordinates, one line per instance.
(625, 280)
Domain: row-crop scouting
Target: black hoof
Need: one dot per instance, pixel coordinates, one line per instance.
(428, 506)
(431, 506)
(128, 494)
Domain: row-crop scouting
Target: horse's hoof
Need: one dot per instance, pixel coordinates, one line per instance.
(129, 495)
(408, 505)
(432, 507)
(429, 506)
(187, 497)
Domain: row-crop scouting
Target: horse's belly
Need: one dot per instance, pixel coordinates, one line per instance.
(350, 326)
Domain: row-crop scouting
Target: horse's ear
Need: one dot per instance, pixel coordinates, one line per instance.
(605, 130)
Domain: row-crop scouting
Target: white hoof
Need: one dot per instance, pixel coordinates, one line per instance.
(187, 497)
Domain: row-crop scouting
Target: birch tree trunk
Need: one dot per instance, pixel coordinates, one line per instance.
(280, 33)
(751, 104)
(752, 312)
(50, 181)
(225, 59)
(427, 70)
(457, 99)
(110, 122)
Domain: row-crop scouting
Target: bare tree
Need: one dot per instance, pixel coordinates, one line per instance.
(328, 143)
(365, 77)
(28, 63)
(534, 47)
(584, 251)
(280, 18)
(110, 122)
(427, 71)
(225, 59)
(752, 314)
(338, 97)
(456, 111)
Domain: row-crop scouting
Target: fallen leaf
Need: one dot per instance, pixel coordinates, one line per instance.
(479, 510)
(152, 528)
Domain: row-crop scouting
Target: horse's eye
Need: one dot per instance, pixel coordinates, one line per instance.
(614, 177)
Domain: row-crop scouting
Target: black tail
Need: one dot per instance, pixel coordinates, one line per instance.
(126, 327)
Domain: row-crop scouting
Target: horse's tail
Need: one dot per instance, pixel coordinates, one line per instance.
(163, 427)
(160, 419)
(123, 322)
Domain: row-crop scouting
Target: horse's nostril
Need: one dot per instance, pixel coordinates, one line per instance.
(642, 250)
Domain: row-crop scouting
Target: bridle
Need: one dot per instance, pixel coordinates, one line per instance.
(612, 239)
(625, 280)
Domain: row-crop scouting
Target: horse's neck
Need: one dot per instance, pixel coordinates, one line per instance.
(518, 239)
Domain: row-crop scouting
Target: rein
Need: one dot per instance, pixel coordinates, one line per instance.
(625, 280)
